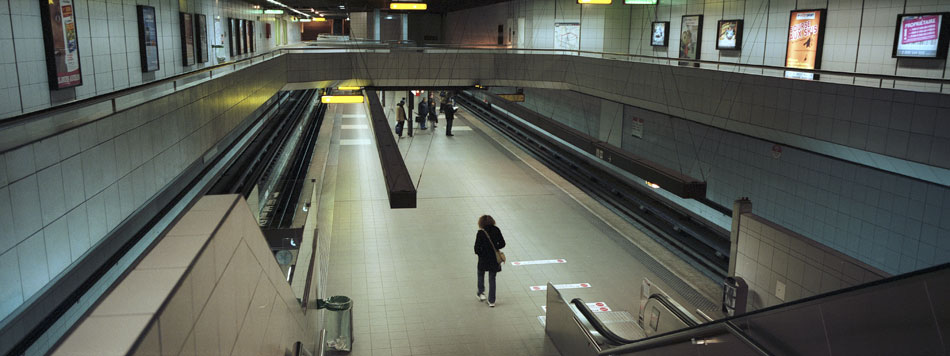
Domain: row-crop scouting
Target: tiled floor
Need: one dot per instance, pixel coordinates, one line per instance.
(411, 272)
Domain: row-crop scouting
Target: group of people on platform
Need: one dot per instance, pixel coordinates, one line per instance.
(427, 112)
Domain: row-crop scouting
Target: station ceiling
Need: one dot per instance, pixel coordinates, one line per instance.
(332, 7)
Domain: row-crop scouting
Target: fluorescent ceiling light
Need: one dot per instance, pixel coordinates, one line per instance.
(350, 88)
(305, 20)
(341, 99)
(320, 19)
(639, 2)
(274, 12)
(409, 5)
(595, 2)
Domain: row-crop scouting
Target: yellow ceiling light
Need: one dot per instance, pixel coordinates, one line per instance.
(595, 2)
(350, 88)
(409, 6)
(320, 19)
(341, 99)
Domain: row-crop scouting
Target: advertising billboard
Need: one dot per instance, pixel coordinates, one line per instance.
(250, 36)
(187, 39)
(691, 31)
(805, 37)
(729, 35)
(567, 35)
(661, 34)
(148, 38)
(921, 35)
(201, 38)
(62, 43)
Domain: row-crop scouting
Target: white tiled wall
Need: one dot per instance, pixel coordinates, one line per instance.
(108, 47)
(781, 266)
(62, 195)
(887, 220)
(210, 287)
(859, 33)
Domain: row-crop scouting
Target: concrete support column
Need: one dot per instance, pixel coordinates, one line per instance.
(376, 24)
(739, 207)
(405, 27)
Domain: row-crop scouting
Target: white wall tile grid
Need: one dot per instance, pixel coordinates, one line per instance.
(889, 221)
(62, 195)
(859, 34)
(108, 47)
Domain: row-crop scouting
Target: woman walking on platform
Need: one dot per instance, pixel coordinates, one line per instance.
(488, 240)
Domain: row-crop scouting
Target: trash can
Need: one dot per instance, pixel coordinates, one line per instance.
(339, 323)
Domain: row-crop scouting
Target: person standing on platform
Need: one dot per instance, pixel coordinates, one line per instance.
(448, 108)
(487, 241)
(400, 117)
(423, 112)
(433, 115)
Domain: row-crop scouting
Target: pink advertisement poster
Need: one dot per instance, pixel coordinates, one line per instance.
(918, 35)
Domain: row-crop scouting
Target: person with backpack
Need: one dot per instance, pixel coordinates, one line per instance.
(423, 112)
(488, 243)
(400, 117)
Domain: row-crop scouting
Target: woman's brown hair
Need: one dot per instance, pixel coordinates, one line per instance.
(484, 221)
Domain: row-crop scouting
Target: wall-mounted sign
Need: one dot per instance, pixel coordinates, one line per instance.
(201, 38)
(729, 35)
(636, 128)
(62, 43)
(921, 35)
(250, 36)
(148, 38)
(187, 39)
(691, 31)
(805, 37)
(661, 34)
(567, 35)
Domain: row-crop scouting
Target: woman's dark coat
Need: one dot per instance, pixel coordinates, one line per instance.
(486, 255)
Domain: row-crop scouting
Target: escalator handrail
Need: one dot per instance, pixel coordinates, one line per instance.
(620, 340)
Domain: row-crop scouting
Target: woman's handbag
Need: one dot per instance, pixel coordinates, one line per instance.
(499, 256)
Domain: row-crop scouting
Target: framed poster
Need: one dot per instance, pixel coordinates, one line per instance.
(661, 34)
(201, 38)
(729, 35)
(250, 36)
(231, 45)
(921, 35)
(242, 35)
(148, 38)
(691, 31)
(567, 35)
(805, 38)
(187, 39)
(62, 43)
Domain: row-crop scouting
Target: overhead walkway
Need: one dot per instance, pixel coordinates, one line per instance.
(411, 272)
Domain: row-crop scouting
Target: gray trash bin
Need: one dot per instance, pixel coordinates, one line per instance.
(339, 323)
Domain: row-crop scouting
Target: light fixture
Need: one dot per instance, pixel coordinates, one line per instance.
(256, 6)
(639, 2)
(653, 185)
(274, 12)
(389, 17)
(320, 19)
(341, 99)
(350, 88)
(275, 2)
(409, 6)
(342, 7)
(304, 20)
(595, 2)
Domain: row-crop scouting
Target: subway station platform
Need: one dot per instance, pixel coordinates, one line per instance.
(411, 272)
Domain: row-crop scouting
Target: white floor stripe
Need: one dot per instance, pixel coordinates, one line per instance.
(353, 116)
(355, 142)
(538, 262)
(354, 127)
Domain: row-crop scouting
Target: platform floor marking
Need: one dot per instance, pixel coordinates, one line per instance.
(354, 127)
(562, 286)
(461, 128)
(595, 307)
(355, 142)
(353, 116)
(538, 262)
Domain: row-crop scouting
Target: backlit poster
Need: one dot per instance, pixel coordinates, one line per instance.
(201, 38)
(690, 34)
(187, 39)
(729, 35)
(921, 35)
(661, 34)
(62, 43)
(567, 35)
(242, 36)
(148, 38)
(805, 37)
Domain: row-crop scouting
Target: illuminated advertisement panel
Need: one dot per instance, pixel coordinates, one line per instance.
(661, 34)
(921, 35)
(148, 38)
(62, 43)
(729, 35)
(805, 38)
(691, 32)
